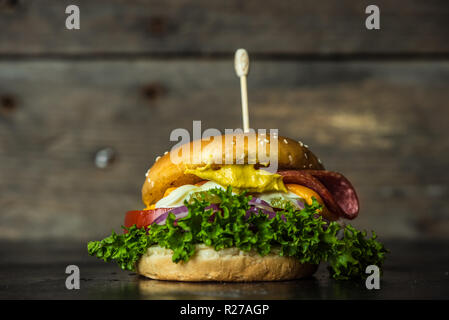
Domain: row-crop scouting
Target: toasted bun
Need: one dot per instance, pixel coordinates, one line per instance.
(165, 174)
(229, 264)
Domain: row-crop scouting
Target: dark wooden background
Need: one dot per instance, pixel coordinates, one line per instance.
(371, 104)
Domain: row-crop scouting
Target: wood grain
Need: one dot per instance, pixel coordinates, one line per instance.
(182, 27)
(384, 125)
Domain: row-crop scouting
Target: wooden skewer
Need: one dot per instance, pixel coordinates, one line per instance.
(241, 64)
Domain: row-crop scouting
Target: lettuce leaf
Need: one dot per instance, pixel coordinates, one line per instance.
(300, 234)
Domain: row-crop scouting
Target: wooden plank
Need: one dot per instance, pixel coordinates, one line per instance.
(384, 125)
(219, 27)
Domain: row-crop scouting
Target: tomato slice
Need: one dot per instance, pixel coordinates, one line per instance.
(143, 218)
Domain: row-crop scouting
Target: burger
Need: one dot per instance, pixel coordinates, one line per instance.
(214, 212)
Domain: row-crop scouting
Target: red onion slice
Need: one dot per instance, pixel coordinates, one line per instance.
(260, 203)
(300, 204)
(253, 209)
(179, 212)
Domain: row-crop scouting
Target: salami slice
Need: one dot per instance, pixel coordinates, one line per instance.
(336, 191)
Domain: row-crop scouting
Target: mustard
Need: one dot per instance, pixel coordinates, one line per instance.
(241, 177)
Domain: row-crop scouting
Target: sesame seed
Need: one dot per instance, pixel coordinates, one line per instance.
(146, 174)
(310, 165)
(157, 158)
(290, 158)
(319, 161)
(306, 146)
(305, 155)
(300, 143)
(165, 153)
(285, 141)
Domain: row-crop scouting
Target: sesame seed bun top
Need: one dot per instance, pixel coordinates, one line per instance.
(216, 151)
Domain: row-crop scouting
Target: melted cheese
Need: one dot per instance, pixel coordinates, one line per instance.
(304, 193)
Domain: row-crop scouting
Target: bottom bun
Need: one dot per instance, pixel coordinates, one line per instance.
(229, 264)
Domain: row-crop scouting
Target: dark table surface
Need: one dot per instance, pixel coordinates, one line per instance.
(36, 270)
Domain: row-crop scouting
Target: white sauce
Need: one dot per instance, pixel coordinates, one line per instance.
(176, 197)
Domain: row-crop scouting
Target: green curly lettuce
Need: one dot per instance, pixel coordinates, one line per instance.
(301, 234)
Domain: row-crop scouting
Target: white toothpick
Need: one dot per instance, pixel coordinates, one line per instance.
(241, 64)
